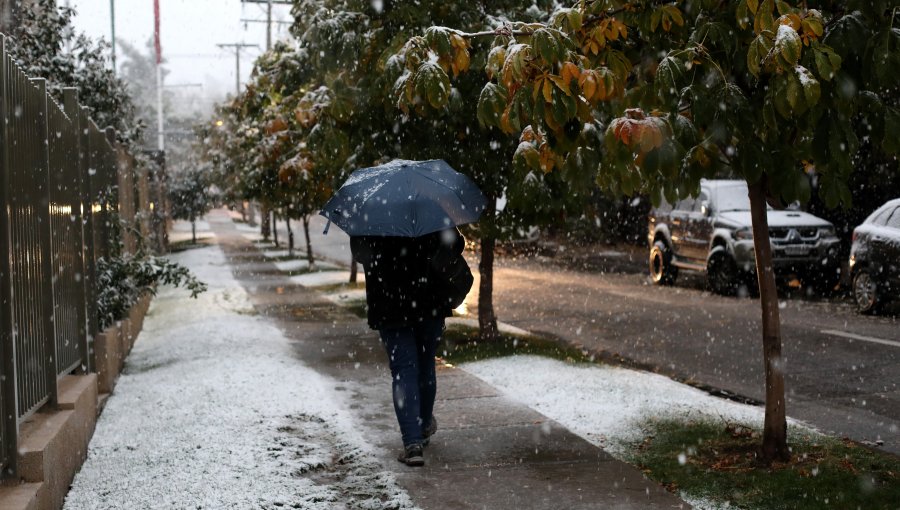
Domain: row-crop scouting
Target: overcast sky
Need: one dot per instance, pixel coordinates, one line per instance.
(190, 31)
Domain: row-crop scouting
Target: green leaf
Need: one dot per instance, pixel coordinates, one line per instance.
(491, 104)
(783, 7)
(891, 141)
(575, 19)
(753, 5)
(823, 65)
(779, 95)
(668, 73)
(794, 93)
(759, 48)
(433, 84)
(545, 44)
(655, 19)
(764, 19)
(788, 44)
(438, 39)
(810, 86)
(742, 15)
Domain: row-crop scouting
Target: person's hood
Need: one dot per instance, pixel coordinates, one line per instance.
(776, 219)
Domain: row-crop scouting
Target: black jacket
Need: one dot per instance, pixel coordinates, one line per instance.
(402, 276)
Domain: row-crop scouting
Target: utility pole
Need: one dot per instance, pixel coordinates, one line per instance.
(161, 135)
(112, 23)
(269, 4)
(270, 22)
(237, 47)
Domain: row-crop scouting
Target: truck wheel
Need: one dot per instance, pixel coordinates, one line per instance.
(865, 292)
(824, 282)
(722, 273)
(662, 272)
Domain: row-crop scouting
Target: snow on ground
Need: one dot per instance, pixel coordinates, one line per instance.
(605, 405)
(325, 278)
(181, 231)
(214, 411)
(276, 254)
(293, 265)
(250, 229)
(347, 297)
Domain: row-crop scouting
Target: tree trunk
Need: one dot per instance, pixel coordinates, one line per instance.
(265, 222)
(487, 321)
(243, 211)
(251, 214)
(774, 445)
(353, 270)
(309, 252)
(287, 221)
(10, 13)
(193, 231)
(275, 227)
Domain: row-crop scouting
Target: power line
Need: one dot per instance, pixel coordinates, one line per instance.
(237, 47)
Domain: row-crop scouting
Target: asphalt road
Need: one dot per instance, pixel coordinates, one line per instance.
(842, 369)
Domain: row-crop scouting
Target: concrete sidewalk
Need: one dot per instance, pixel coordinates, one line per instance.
(489, 451)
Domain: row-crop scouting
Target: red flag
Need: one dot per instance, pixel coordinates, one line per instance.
(158, 44)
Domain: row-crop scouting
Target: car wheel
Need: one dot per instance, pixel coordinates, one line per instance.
(825, 282)
(722, 273)
(865, 291)
(662, 272)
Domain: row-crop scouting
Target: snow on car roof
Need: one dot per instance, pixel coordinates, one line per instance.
(890, 203)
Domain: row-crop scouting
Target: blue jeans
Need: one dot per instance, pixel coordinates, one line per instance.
(411, 355)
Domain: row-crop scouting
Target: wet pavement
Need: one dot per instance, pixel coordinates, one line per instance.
(842, 369)
(489, 451)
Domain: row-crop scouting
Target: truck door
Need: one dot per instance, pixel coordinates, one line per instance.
(699, 228)
(678, 227)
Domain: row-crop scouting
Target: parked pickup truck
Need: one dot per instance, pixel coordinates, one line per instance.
(712, 233)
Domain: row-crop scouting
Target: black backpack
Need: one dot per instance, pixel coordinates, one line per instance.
(457, 281)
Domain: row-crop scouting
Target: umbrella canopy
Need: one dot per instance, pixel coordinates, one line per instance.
(404, 199)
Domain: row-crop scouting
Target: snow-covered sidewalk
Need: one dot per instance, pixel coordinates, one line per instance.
(214, 411)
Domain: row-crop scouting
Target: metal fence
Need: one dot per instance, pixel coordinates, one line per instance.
(59, 214)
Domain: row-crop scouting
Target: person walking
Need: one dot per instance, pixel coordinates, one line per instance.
(401, 218)
(409, 292)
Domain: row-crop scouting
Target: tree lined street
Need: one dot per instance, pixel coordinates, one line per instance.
(842, 368)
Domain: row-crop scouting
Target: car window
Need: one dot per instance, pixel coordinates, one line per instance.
(882, 217)
(698, 204)
(894, 222)
(732, 198)
(685, 205)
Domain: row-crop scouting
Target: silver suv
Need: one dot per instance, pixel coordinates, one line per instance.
(713, 233)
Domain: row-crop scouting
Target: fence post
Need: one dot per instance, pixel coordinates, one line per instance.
(9, 424)
(70, 105)
(87, 208)
(127, 215)
(46, 243)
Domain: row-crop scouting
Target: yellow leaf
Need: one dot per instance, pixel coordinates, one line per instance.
(561, 84)
(570, 72)
(548, 91)
(588, 86)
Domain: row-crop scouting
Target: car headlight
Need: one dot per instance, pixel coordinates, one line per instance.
(743, 234)
(827, 233)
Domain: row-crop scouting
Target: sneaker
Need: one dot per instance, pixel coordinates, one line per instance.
(429, 431)
(412, 455)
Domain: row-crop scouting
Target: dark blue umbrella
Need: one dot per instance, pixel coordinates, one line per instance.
(404, 199)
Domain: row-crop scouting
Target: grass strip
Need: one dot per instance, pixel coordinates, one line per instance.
(718, 463)
(462, 344)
